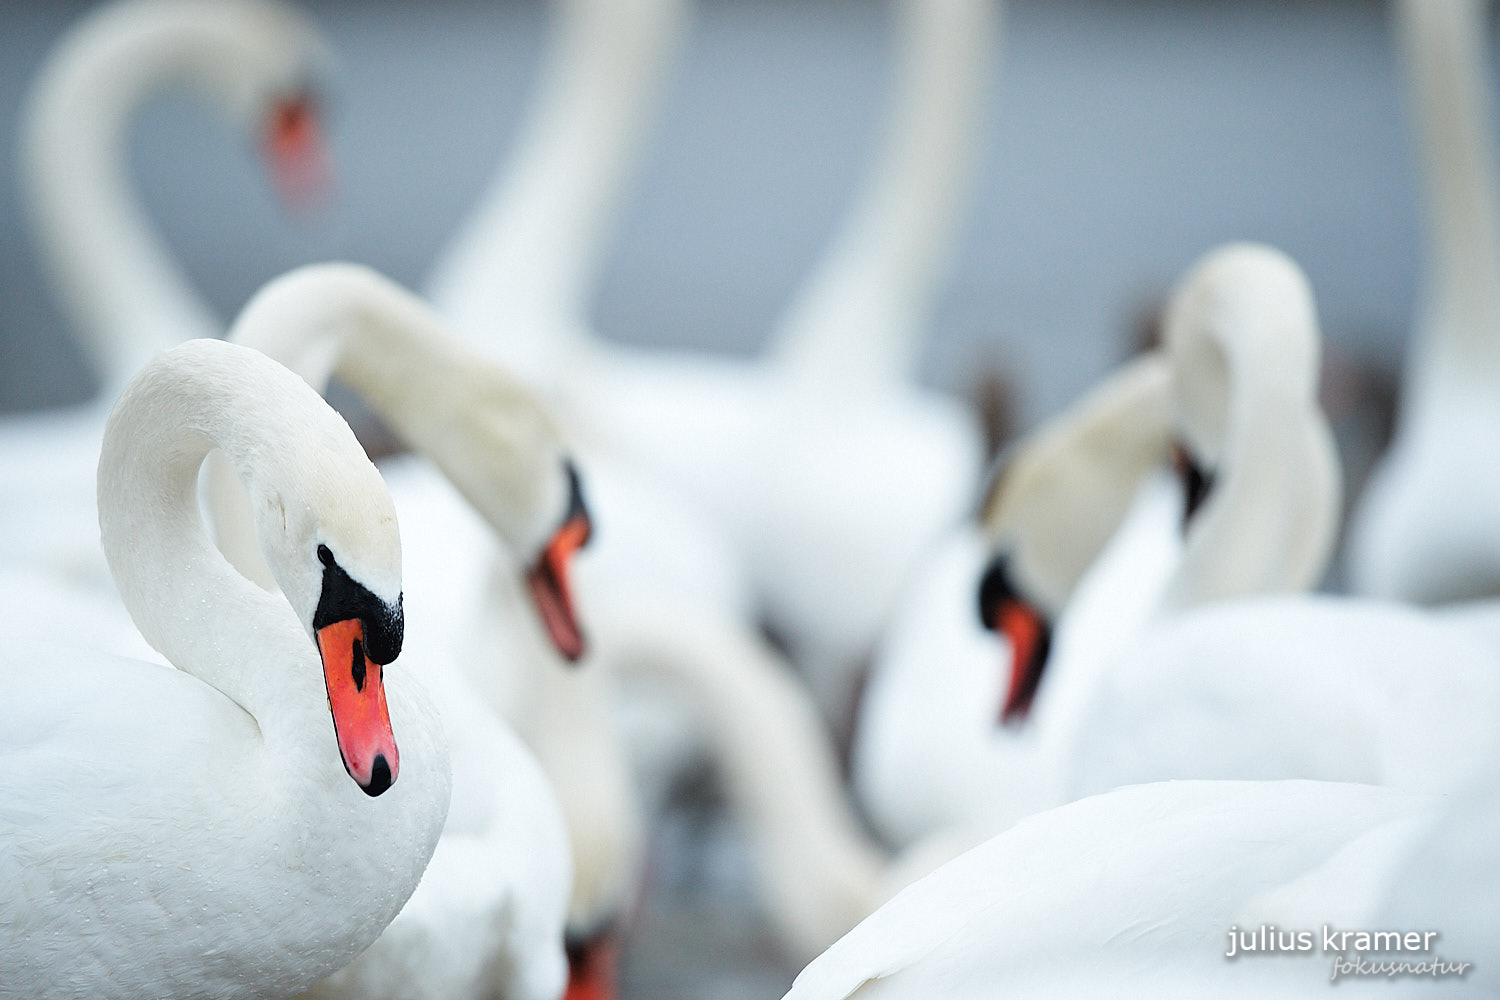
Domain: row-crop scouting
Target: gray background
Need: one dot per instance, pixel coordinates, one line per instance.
(1124, 139)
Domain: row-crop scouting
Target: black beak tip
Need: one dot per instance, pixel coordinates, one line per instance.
(380, 777)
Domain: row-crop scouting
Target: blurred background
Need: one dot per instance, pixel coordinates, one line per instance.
(1124, 140)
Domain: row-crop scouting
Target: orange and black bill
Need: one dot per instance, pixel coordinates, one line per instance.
(1002, 609)
(294, 146)
(357, 634)
(356, 697)
(548, 578)
(1197, 482)
(593, 967)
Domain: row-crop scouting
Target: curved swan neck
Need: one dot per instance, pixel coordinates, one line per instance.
(861, 314)
(125, 295)
(1270, 520)
(1057, 499)
(531, 250)
(1444, 48)
(186, 600)
(477, 423)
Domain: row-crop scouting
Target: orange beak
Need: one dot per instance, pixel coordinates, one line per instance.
(294, 146)
(1027, 634)
(1003, 609)
(593, 968)
(356, 697)
(551, 590)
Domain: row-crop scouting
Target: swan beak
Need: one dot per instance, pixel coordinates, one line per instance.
(356, 697)
(1002, 609)
(1026, 631)
(548, 580)
(294, 146)
(593, 967)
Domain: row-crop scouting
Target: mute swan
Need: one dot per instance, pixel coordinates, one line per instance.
(493, 441)
(487, 919)
(794, 453)
(1424, 530)
(1127, 893)
(931, 752)
(1272, 686)
(195, 832)
(126, 298)
(927, 752)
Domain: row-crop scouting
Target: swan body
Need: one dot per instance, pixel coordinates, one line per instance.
(195, 831)
(125, 296)
(1424, 528)
(487, 919)
(1052, 908)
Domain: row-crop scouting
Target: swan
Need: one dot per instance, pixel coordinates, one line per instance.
(488, 917)
(196, 832)
(1054, 907)
(494, 442)
(125, 297)
(1093, 532)
(934, 753)
(793, 452)
(1277, 685)
(1423, 530)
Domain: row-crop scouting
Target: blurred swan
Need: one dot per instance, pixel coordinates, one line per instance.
(813, 455)
(195, 831)
(1425, 528)
(253, 60)
(1132, 892)
(487, 919)
(1274, 686)
(1256, 513)
(1086, 522)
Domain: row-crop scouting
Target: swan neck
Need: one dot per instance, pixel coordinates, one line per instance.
(532, 249)
(1270, 522)
(185, 599)
(863, 310)
(125, 296)
(1444, 48)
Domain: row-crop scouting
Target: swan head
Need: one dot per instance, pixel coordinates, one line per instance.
(1004, 609)
(506, 457)
(262, 64)
(1053, 502)
(331, 541)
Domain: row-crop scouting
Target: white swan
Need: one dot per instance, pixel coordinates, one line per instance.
(126, 298)
(928, 752)
(1424, 529)
(1274, 686)
(195, 832)
(487, 918)
(1123, 894)
(1242, 341)
(795, 452)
